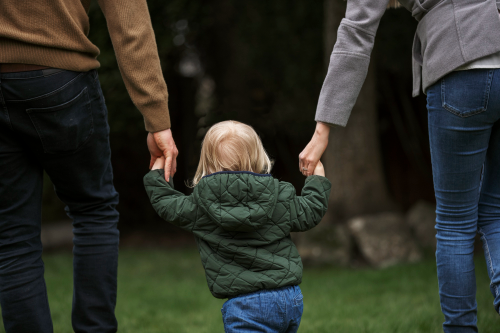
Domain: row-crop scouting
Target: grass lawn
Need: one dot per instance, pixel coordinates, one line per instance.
(165, 291)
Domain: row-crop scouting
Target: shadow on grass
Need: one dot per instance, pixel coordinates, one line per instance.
(165, 291)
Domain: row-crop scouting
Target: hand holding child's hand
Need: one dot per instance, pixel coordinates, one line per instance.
(159, 163)
(319, 170)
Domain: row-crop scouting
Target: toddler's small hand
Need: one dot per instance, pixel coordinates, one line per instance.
(319, 170)
(159, 163)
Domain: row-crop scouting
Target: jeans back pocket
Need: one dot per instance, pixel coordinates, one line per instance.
(298, 299)
(466, 93)
(65, 127)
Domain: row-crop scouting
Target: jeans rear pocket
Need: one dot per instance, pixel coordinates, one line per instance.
(65, 127)
(298, 299)
(466, 93)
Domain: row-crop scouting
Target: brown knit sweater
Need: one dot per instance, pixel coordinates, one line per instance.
(54, 33)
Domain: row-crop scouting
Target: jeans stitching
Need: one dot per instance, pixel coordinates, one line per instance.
(89, 109)
(473, 112)
(488, 89)
(224, 317)
(51, 74)
(46, 306)
(33, 77)
(481, 180)
(488, 259)
(299, 297)
(3, 107)
(51, 93)
(102, 100)
(36, 126)
(283, 300)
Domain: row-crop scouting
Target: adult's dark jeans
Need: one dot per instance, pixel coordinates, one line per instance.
(464, 131)
(56, 120)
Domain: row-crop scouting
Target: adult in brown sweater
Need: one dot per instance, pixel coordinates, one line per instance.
(53, 118)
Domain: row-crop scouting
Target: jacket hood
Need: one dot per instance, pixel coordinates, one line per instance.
(238, 201)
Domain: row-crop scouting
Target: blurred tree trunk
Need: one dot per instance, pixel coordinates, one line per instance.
(353, 158)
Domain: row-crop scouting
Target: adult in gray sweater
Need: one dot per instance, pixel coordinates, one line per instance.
(456, 62)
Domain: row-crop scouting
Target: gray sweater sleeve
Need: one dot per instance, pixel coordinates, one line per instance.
(349, 60)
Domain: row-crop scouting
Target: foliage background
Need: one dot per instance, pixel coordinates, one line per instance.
(264, 64)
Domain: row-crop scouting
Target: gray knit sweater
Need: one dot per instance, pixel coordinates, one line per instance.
(450, 34)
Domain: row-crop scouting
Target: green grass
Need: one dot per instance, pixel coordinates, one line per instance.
(165, 291)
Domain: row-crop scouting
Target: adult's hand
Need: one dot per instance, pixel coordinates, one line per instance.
(309, 157)
(161, 144)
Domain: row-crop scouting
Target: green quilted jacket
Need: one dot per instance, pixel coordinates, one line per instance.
(242, 223)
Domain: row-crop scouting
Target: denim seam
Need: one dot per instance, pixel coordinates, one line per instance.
(224, 317)
(102, 101)
(299, 297)
(488, 89)
(481, 181)
(283, 300)
(47, 307)
(37, 76)
(3, 107)
(91, 132)
(51, 93)
(89, 108)
(52, 73)
(488, 259)
(472, 112)
(34, 77)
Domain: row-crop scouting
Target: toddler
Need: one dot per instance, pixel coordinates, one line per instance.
(241, 218)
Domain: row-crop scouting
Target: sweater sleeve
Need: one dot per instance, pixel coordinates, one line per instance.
(308, 209)
(170, 204)
(133, 39)
(349, 60)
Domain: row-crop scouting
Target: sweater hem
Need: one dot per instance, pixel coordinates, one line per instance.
(23, 53)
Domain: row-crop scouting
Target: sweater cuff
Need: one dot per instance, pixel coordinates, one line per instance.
(156, 117)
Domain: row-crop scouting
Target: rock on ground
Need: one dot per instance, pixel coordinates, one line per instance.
(57, 234)
(421, 218)
(324, 244)
(384, 239)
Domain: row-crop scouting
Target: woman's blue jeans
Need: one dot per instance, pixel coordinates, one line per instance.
(56, 121)
(464, 132)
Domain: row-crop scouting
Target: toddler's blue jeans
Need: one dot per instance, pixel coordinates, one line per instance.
(464, 132)
(265, 311)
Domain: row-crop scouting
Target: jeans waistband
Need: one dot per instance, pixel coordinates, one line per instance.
(31, 74)
(264, 291)
(12, 67)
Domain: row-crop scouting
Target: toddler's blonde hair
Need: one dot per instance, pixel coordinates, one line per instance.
(231, 146)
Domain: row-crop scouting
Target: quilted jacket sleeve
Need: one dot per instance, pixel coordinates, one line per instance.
(308, 209)
(170, 204)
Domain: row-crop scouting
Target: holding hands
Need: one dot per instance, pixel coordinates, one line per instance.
(161, 145)
(309, 157)
(319, 170)
(164, 153)
(159, 163)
